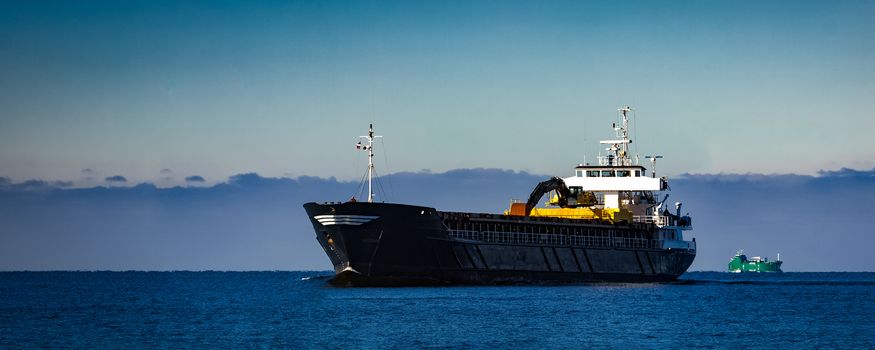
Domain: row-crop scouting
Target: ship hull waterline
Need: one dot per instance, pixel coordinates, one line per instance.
(384, 244)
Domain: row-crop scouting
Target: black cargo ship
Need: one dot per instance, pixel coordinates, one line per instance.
(608, 227)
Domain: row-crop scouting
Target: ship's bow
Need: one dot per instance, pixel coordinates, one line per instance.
(375, 241)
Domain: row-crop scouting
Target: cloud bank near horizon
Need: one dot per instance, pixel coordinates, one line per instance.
(120, 181)
(250, 222)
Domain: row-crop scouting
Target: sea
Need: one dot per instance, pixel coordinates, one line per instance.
(301, 310)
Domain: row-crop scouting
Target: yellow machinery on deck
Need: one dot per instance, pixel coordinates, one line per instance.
(572, 204)
(584, 213)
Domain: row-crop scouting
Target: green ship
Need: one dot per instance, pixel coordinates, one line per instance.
(740, 263)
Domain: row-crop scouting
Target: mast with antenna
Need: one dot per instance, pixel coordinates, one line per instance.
(618, 151)
(370, 148)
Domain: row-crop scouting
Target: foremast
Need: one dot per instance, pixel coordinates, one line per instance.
(369, 147)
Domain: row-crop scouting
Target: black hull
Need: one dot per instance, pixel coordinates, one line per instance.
(380, 244)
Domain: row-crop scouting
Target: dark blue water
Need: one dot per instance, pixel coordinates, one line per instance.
(299, 310)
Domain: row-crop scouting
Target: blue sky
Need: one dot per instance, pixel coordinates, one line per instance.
(282, 88)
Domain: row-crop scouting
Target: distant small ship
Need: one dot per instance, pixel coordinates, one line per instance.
(608, 222)
(740, 263)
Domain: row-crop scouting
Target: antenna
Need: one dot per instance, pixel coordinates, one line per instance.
(370, 148)
(653, 164)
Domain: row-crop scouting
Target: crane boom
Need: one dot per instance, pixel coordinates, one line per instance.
(554, 184)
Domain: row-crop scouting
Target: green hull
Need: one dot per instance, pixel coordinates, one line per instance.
(740, 263)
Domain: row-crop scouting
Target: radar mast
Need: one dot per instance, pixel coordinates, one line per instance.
(618, 151)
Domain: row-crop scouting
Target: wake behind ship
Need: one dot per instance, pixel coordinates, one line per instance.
(604, 224)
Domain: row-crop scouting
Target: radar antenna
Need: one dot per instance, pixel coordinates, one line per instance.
(653, 164)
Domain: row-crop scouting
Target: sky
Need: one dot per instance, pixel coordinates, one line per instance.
(159, 91)
(132, 132)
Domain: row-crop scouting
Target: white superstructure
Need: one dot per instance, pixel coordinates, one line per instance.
(619, 183)
(617, 172)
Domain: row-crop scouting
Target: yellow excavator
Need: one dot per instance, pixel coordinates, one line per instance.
(573, 203)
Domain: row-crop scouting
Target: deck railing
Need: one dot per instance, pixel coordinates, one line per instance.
(554, 239)
(658, 220)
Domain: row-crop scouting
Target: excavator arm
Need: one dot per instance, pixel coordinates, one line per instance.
(542, 188)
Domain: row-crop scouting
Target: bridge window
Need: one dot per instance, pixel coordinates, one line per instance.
(623, 173)
(607, 173)
(592, 173)
(637, 173)
(580, 173)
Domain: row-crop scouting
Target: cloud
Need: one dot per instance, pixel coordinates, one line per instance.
(146, 227)
(846, 172)
(194, 178)
(255, 180)
(116, 178)
(33, 184)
